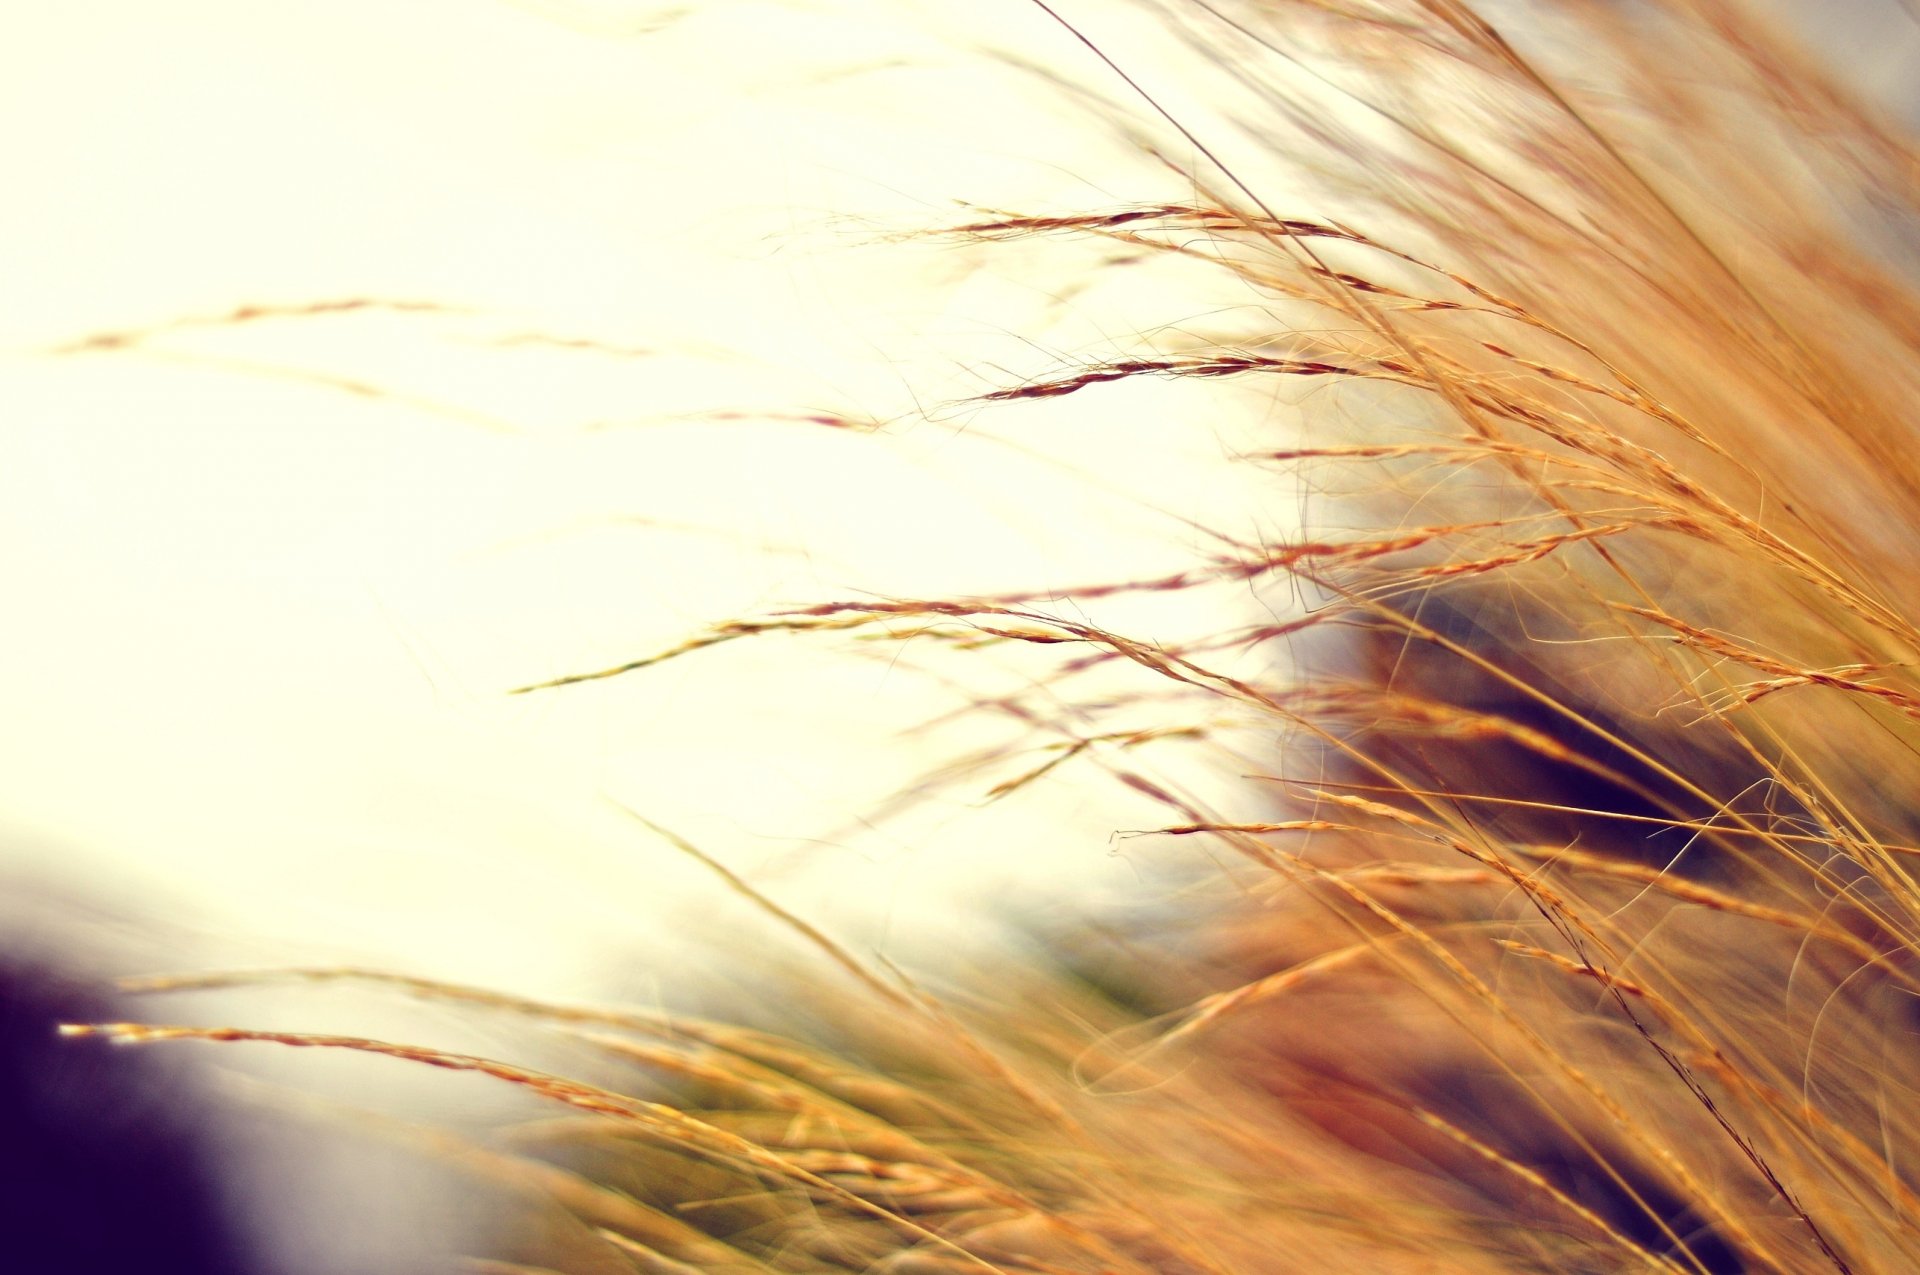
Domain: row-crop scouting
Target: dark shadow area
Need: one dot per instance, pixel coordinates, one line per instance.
(105, 1158)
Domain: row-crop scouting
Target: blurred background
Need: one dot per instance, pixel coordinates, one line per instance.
(364, 364)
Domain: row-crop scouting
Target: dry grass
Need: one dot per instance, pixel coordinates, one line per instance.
(1573, 928)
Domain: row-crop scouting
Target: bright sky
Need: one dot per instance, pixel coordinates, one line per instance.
(269, 583)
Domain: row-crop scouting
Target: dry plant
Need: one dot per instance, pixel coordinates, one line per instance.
(1560, 914)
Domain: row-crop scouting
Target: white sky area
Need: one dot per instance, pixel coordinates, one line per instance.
(267, 584)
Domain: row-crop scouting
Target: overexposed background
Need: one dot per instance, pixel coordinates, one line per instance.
(363, 362)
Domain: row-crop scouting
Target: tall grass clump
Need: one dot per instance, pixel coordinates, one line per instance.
(1524, 807)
